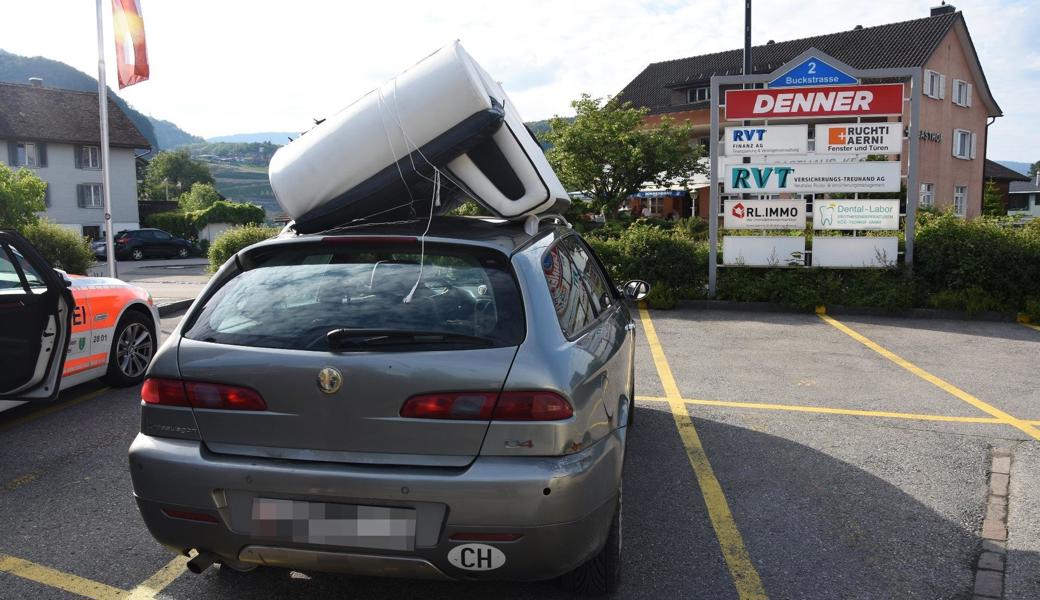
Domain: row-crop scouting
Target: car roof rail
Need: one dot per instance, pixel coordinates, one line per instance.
(532, 223)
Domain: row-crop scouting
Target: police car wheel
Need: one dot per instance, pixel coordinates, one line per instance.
(601, 574)
(132, 349)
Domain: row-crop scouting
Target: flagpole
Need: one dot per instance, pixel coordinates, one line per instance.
(103, 111)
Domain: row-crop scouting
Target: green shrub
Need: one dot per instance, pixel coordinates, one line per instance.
(201, 196)
(62, 247)
(188, 224)
(647, 252)
(890, 289)
(173, 222)
(1032, 310)
(235, 239)
(662, 297)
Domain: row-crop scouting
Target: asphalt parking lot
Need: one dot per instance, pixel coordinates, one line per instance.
(773, 456)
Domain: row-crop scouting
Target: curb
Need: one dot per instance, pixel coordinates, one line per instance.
(176, 306)
(989, 571)
(914, 313)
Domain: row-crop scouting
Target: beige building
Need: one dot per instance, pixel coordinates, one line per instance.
(956, 103)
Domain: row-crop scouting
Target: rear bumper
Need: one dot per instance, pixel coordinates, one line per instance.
(559, 530)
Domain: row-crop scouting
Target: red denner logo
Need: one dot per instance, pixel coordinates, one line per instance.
(738, 210)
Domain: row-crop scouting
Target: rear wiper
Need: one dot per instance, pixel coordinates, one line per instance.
(339, 338)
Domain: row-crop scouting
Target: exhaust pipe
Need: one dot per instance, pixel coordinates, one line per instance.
(201, 562)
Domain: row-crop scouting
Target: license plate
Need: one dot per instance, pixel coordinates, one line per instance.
(328, 524)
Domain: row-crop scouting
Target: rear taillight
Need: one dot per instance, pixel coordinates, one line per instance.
(482, 406)
(197, 394)
(122, 240)
(532, 406)
(465, 406)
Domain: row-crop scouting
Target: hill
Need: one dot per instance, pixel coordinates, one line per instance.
(276, 137)
(1021, 167)
(18, 69)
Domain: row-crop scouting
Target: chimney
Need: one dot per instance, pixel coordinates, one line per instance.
(943, 9)
(36, 81)
(857, 28)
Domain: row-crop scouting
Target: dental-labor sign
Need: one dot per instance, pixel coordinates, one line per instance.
(829, 101)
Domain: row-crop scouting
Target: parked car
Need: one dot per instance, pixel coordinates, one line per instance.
(138, 244)
(363, 401)
(60, 330)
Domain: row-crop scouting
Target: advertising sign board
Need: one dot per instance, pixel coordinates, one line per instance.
(765, 214)
(860, 138)
(813, 71)
(831, 101)
(854, 251)
(879, 215)
(873, 176)
(763, 251)
(775, 139)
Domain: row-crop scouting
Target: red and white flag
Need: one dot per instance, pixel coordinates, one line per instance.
(131, 54)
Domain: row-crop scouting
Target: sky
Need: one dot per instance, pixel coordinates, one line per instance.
(234, 66)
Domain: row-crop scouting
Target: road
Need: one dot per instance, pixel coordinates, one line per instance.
(773, 455)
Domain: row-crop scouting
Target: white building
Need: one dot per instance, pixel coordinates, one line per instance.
(55, 133)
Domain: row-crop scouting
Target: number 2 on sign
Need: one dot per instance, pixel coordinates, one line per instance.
(812, 68)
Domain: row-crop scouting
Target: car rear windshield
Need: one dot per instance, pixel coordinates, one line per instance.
(358, 296)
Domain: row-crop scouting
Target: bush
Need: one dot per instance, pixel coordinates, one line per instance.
(661, 297)
(201, 196)
(173, 222)
(807, 288)
(62, 247)
(1032, 310)
(647, 252)
(188, 224)
(235, 239)
(22, 195)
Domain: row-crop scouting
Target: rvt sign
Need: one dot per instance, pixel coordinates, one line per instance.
(762, 141)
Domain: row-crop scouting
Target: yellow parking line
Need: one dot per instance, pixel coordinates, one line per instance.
(52, 409)
(1031, 326)
(834, 411)
(58, 579)
(949, 388)
(161, 579)
(745, 577)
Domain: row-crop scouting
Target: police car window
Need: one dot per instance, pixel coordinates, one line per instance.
(31, 276)
(10, 282)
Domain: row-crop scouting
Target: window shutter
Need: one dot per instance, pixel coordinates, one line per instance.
(12, 154)
(41, 155)
(973, 136)
(969, 86)
(77, 152)
(942, 87)
(956, 140)
(80, 196)
(47, 196)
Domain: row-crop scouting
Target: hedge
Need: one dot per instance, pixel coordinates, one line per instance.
(188, 224)
(231, 241)
(62, 247)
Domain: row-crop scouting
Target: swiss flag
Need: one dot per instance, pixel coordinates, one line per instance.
(131, 54)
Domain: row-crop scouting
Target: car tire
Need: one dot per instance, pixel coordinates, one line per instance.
(182, 252)
(137, 254)
(133, 346)
(601, 574)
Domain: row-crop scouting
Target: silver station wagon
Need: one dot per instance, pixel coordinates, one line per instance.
(370, 400)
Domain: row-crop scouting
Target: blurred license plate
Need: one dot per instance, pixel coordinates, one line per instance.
(328, 524)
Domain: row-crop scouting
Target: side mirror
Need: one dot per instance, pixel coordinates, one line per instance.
(65, 279)
(635, 289)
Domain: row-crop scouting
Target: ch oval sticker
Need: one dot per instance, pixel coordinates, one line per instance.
(476, 557)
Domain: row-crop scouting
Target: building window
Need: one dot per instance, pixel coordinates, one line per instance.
(961, 93)
(656, 205)
(934, 85)
(927, 194)
(90, 195)
(701, 94)
(26, 155)
(1018, 202)
(963, 144)
(89, 157)
(92, 232)
(960, 200)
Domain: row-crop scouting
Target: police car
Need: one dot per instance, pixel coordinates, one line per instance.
(59, 330)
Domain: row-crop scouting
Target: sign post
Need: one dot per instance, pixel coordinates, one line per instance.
(813, 86)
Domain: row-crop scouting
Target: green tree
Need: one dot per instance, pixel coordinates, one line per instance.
(609, 152)
(21, 197)
(1033, 168)
(173, 173)
(200, 196)
(992, 202)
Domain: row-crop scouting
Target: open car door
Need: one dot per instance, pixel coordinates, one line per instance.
(35, 322)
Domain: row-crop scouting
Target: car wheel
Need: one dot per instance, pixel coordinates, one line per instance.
(182, 252)
(602, 573)
(132, 349)
(137, 254)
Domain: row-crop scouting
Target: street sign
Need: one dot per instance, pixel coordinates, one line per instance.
(813, 71)
(834, 101)
(860, 138)
(851, 215)
(854, 251)
(763, 251)
(756, 178)
(775, 139)
(764, 214)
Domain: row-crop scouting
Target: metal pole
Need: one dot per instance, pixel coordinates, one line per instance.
(713, 192)
(747, 37)
(913, 191)
(103, 112)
